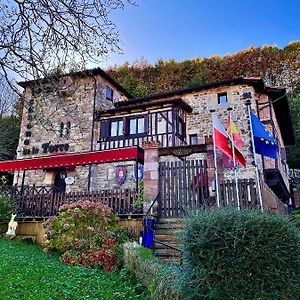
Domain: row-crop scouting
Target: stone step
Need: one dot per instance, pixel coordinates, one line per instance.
(173, 258)
(166, 251)
(174, 243)
(170, 225)
(166, 236)
(171, 220)
(168, 231)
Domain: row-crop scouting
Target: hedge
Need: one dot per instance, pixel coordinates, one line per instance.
(232, 254)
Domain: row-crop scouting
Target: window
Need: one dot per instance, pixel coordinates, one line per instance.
(222, 98)
(137, 125)
(109, 93)
(68, 130)
(180, 126)
(193, 139)
(116, 128)
(61, 129)
(121, 127)
(65, 130)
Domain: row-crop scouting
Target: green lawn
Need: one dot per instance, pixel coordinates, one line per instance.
(28, 273)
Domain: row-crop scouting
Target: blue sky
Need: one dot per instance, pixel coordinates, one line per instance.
(182, 29)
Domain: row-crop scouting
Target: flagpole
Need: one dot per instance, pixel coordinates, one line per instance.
(234, 161)
(248, 103)
(216, 165)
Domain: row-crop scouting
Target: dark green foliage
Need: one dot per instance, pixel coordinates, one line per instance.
(28, 273)
(6, 208)
(296, 217)
(9, 137)
(234, 254)
(294, 151)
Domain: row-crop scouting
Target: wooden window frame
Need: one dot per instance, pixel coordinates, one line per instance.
(126, 128)
(111, 96)
(138, 134)
(116, 137)
(179, 120)
(191, 136)
(220, 95)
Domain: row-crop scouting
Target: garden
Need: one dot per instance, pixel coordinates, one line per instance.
(228, 254)
(26, 272)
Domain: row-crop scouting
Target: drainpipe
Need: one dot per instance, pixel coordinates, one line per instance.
(92, 134)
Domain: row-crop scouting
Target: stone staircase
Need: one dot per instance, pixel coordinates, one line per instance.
(167, 239)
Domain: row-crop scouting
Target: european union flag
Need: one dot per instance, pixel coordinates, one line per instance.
(265, 143)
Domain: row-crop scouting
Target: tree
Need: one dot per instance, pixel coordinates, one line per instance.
(9, 121)
(7, 98)
(293, 152)
(37, 36)
(9, 137)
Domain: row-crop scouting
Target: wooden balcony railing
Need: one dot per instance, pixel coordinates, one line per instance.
(33, 201)
(165, 139)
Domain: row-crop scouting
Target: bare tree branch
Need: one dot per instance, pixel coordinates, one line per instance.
(38, 35)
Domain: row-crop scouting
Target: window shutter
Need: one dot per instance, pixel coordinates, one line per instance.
(104, 129)
(126, 125)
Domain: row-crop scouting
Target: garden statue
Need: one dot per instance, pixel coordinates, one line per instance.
(12, 226)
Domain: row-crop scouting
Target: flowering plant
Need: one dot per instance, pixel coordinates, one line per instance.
(86, 234)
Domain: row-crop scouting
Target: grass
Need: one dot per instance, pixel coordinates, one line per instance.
(28, 273)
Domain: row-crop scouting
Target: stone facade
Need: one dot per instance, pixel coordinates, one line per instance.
(104, 176)
(48, 112)
(42, 133)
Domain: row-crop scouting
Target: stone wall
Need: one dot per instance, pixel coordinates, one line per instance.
(45, 109)
(104, 176)
(199, 121)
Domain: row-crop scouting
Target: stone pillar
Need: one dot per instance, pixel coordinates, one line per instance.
(151, 172)
(211, 165)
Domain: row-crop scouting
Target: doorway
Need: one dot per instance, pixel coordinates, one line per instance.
(59, 181)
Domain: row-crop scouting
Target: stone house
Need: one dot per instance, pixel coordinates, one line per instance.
(84, 132)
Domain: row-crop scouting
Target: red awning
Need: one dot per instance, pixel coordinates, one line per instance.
(69, 160)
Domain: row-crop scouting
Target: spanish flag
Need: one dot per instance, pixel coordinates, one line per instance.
(223, 142)
(232, 130)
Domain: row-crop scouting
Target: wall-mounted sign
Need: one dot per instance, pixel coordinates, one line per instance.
(121, 173)
(69, 180)
(46, 148)
(138, 172)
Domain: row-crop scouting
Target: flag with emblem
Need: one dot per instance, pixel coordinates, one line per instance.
(232, 130)
(264, 142)
(223, 142)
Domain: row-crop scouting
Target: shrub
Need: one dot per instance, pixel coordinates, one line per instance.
(296, 217)
(6, 208)
(160, 279)
(87, 234)
(234, 254)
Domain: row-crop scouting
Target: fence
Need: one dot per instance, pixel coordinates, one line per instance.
(247, 190)
(272, 202)
(33, 201)
(183, 186)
